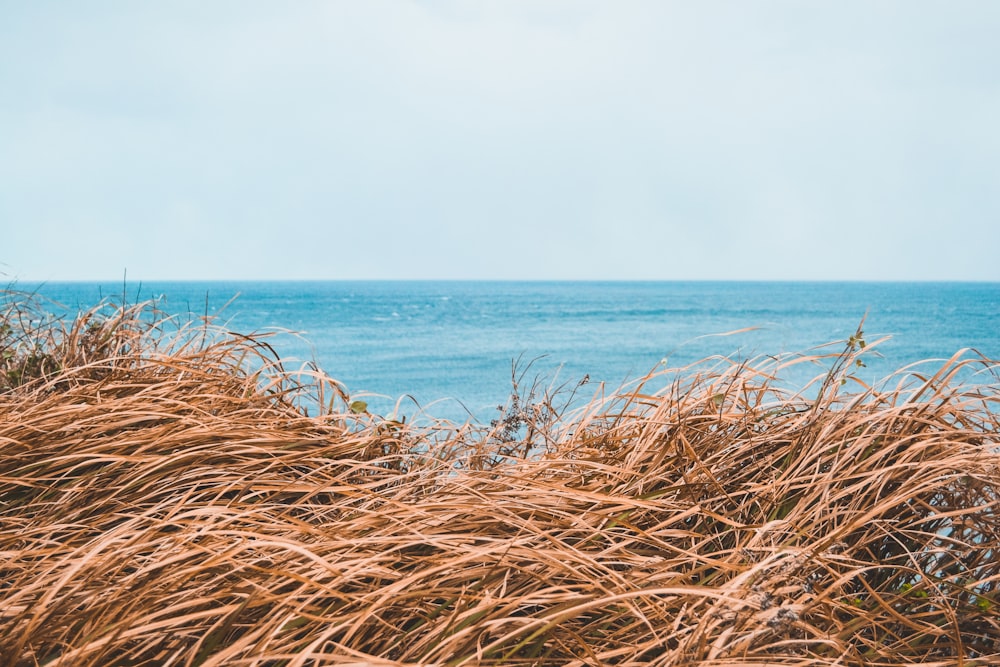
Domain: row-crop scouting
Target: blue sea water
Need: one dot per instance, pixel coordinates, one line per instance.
(449, 346)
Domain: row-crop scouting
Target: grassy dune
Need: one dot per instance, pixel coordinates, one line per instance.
(166, 500)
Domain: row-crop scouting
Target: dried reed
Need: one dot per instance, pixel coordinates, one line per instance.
(165, 500)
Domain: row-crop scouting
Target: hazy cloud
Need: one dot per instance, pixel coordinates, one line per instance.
(451, 139)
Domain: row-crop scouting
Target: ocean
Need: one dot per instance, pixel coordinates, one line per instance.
(446, 349)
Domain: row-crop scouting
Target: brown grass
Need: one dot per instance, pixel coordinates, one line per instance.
(165, 500)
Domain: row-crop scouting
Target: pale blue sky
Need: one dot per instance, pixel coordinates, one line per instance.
(508, 139)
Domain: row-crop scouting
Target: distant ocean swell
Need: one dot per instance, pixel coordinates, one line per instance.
(456, 340)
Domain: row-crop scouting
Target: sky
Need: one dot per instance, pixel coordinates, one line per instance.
(503, 139)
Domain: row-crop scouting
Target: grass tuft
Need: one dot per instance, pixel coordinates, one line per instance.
(166, 499)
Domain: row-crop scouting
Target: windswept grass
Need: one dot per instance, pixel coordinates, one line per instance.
(165, 500)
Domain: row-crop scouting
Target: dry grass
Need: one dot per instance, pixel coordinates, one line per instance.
(165, 502)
